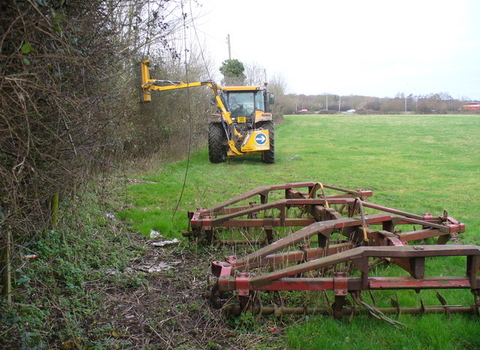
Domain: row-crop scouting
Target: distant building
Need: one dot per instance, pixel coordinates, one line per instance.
(471, 106)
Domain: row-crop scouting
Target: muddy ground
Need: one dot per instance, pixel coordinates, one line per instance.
(169, 309)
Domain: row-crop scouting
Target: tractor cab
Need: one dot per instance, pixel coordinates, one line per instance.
(248, 105)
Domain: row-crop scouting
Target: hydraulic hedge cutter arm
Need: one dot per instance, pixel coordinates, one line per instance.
(243, 124)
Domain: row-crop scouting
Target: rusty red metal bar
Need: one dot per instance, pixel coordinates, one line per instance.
(311, 207)
(354, 231)
(415, 255)
(339, 233)
(411, 258)
(257, 206)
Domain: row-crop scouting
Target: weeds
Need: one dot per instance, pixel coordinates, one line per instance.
(56, 296)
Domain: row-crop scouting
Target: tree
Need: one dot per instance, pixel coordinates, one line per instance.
(278, 86)
(256, 74)
(233, 72)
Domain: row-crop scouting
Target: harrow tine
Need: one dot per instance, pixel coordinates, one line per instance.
(396, 305)
(328, 303)
(476, 304)
(260, 310)
(422, 307)
(441, 299)
(377, 313)
(353, 306)
(444, 303)
(279, 310)
(372, 297)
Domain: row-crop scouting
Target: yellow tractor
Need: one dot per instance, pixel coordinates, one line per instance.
(243, 123)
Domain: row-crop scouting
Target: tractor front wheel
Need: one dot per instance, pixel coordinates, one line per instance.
(268, 156)
(217, 143)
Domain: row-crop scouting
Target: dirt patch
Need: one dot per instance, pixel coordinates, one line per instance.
(168, 310)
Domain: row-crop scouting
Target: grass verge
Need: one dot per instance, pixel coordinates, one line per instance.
(59, 296)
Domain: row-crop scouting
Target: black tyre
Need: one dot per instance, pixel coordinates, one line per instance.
(217, 143)
(268, 157)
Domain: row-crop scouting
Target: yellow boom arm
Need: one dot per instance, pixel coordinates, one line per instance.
(149, 84)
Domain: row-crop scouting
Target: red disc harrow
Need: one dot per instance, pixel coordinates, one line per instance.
(331, 244)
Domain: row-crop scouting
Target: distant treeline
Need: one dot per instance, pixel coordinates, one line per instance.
(438, 103)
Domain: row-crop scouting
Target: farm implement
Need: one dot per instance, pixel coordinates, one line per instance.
(243, 123)
(323, 249)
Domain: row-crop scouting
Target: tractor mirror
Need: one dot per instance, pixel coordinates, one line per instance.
(271, 98)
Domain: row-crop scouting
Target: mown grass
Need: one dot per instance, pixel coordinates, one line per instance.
(423, 333)
(414, 163)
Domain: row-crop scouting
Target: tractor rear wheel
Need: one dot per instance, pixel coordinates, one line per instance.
(217, 143)
(268, 156)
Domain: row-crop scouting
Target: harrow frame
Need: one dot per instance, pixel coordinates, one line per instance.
(205, 223)
(309, 260)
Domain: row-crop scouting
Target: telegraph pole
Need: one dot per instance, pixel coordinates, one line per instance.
(229, 47)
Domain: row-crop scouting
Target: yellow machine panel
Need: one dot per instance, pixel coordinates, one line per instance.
(257, 140)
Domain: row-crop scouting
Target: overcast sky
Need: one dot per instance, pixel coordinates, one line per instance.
(360, 47)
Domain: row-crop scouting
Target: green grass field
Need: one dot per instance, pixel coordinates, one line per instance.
(414, 163)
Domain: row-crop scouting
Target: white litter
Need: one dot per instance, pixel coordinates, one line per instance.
(155, 234)
(164, 243)
(158, 267)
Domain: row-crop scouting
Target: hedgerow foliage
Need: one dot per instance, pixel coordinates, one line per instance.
(69, 95)
(70, 109)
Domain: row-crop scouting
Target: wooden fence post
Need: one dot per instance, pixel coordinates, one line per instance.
(6, 267)
(54, 208)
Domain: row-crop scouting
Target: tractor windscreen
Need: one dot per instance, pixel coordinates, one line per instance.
(245, 103)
